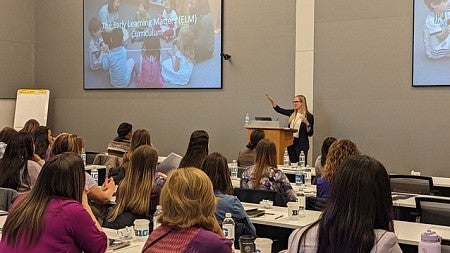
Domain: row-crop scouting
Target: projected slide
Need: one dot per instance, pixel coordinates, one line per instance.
(152, 44)
(431, 52)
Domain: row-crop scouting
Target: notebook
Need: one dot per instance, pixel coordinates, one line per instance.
(170, 163)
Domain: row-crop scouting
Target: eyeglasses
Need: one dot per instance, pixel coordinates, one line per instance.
(295, 102)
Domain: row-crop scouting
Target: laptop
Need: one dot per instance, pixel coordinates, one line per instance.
(263, 118)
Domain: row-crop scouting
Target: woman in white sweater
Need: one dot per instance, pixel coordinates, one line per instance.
(358, 217)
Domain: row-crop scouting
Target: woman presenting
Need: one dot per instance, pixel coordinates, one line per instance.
(302, 120)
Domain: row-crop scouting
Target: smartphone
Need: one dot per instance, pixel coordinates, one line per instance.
(117, 244)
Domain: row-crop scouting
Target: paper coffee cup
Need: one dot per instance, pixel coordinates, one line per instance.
(263, 245)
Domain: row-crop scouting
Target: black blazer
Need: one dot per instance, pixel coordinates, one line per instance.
(303, 134)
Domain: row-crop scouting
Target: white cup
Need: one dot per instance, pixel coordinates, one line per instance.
(263, 245)
(293, 210)
(141, 228)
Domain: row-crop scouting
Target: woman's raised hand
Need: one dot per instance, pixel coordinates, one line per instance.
(271, 100)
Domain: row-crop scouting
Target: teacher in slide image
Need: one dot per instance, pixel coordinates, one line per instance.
(302, 120)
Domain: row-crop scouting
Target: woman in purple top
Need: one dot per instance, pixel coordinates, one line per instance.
(339, 151)
(55, 215)
(188, 223)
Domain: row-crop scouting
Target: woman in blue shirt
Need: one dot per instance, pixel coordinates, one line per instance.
(216, 167)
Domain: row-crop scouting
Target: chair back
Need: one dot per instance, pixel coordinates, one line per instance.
(110, 161)
(255, 196)
(433, 210)
(7, 197)
(90, 156)
(412, 184)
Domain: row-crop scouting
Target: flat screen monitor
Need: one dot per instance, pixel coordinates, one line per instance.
(152, 44)
(431, 49)
(263, 118)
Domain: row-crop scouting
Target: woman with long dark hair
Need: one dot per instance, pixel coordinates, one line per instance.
(43, 140)
(197, 150)
(216, 167)
(55, 215)
(18, 170)
(320, 161)
(264, 174)
(358, 217)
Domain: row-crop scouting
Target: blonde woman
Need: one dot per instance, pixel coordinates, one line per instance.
(302, 120)
(136, 195)
(339, 151)
(66, 142)
(265, 175)
(188, 223)
(139, 138)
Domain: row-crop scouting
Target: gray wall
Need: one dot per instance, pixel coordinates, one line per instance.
(362, 87)
(16, 46)
(260, 40)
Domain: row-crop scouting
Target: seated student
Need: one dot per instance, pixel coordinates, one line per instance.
(358, 217)
(137, 194)
(320, 161)
(20, 166)
(66, 142)
(246, 156)
(265, 175)
(139, 138)
(54, 216)
(43, 141)
(188, 223)
(121, 144)
(216, 167)
(5, 137)
(30, 126)
(197, 150)
(339, 151)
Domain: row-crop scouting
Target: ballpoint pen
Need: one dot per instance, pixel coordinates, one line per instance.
(276, 218)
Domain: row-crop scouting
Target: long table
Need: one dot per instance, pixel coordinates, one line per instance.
(408, 233)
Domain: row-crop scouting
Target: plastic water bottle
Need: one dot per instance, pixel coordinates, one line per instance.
(301, 159)
(234, 169)
(247, 119)
(83, 156)
(307, 175)
(228, 227)
(430, 242)
(94, 174)
(286, 161)
(157, 213)
(299, 176)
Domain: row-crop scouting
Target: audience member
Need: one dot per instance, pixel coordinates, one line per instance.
(55, 215)
(339, 151)
(320, 161)
(265, 175)
(137, 194)
(188, 223)
(30, 126)
(216, 167)
(20, 167)
(139, 138)
(246, 156)
(358, 217)
(66, 142)
(5, 137)
(43, 141)
(121, 144)
(197, 150)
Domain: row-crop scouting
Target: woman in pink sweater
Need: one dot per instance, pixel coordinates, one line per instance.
(54, 216)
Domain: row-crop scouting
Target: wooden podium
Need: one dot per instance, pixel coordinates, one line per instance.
(281, 136)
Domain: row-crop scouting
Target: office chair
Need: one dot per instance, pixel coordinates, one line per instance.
(412, 184)
(255, 196)
(90, 156)
(433, 211)
(7, 197)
